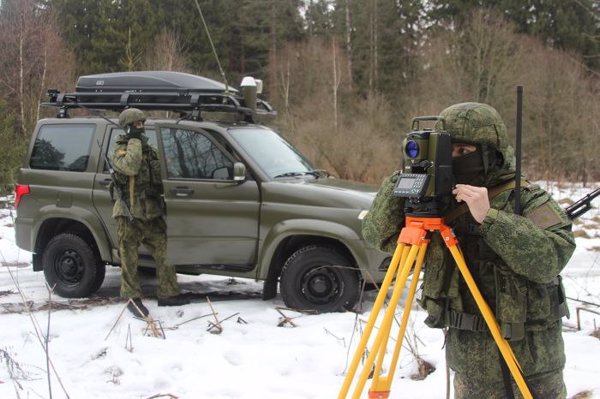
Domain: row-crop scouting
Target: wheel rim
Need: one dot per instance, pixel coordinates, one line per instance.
(69, 267)
(321, 285)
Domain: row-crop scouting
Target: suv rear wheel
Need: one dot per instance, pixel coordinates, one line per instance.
(319, 278)
(72, 267)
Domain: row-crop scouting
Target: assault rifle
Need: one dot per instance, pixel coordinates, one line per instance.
(582, 206)
(117, 188)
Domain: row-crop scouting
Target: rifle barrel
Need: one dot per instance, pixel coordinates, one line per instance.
(582, 205)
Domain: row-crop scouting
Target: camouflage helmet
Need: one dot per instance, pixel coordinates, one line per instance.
(130, 116)
(475, 123)
(481, 125)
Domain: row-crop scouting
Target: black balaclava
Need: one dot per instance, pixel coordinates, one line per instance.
(469, 169)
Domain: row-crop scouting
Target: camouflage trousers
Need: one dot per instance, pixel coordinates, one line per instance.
(543, 386)
(153, 234)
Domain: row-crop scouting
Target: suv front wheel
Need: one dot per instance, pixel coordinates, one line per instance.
(71, 266)
(319, 278)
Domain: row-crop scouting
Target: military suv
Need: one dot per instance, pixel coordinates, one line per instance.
(241, 201)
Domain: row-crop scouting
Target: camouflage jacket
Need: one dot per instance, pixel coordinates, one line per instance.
(515, 261)
(138, 174)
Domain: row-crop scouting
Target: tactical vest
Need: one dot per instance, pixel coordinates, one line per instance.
(518, 304)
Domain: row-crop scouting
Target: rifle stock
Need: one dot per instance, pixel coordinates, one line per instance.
(117, 188)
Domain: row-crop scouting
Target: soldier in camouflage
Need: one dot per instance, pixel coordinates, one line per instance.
(138, 175)
(515, 261)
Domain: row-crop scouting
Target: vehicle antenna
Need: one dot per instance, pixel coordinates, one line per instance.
(213, 46)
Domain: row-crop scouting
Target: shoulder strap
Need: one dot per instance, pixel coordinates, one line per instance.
(492, 193)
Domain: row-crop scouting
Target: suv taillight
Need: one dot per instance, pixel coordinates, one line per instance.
(20, 191)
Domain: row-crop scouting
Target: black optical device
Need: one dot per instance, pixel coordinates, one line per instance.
(426, 180)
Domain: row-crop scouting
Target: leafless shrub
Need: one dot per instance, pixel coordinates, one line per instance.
(166, 53)
(424, 368)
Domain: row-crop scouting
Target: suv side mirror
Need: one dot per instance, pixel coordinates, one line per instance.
(239, 172)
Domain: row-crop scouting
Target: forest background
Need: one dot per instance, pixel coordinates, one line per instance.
(346, 76)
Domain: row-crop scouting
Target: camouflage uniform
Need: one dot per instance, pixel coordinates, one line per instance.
(138, 173)
(515, 261)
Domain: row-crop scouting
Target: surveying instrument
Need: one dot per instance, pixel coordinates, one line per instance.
(426, 185)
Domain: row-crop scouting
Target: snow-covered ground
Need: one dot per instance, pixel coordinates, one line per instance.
(99, 352)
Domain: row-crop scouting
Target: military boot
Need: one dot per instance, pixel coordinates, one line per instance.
(173, 301)
(137, 308)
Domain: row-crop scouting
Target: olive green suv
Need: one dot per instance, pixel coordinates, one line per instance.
(241, 201)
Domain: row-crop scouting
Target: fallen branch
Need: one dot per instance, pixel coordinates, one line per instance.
(163, 395)
(214, 328)
(285, 319)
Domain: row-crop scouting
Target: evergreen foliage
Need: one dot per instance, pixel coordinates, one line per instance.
(347, 76)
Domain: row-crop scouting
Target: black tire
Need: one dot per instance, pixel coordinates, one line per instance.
(72, 267)
(319, 278)
(100, 274)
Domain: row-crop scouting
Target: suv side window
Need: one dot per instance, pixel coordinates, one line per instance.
(62, 147)
(192, 155)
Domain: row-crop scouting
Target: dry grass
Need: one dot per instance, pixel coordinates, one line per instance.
(424, 369)
(583, 395)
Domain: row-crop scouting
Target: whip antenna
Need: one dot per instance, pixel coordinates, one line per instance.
(518, 150)
(212, 46)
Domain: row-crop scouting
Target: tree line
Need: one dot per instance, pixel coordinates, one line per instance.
(346, 76)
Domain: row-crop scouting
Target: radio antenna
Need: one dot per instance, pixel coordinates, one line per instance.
(212, 46)
(518, 150)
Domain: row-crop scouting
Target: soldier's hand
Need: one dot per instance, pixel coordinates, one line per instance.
(134, 135)
(476, 199)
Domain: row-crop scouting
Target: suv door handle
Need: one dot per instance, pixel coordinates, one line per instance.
(105, 182)
(182, 191)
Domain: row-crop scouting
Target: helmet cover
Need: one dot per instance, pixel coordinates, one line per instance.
(131, 115)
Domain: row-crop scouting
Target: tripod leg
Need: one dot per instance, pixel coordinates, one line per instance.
(492, 323)
(400, 282)
(386, 324)
(409, 301)
(399, 254)
(381, 385)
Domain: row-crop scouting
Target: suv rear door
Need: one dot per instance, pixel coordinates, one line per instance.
(212, 220)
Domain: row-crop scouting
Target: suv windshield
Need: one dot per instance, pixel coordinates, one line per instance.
(275, 156)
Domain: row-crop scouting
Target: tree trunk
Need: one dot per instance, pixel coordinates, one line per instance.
(21, 89)
(42, 82)
(349, 43)
(335, 84)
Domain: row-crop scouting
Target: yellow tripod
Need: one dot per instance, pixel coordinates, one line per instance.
(412, 244)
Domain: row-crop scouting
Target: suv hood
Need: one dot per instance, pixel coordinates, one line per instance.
(326, 192)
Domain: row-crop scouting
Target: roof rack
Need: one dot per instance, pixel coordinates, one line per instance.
(160, 90)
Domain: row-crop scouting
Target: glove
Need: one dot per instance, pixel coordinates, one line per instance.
(135, 133)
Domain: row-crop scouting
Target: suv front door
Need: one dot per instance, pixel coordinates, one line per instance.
(212, 220)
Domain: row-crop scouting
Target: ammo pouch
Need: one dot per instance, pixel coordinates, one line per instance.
(440, 284)
(522, 305)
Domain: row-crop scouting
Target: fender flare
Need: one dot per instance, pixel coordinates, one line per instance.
(305, 227)
(81, 215)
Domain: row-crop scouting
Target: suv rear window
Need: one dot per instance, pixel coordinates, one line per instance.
(62, 147)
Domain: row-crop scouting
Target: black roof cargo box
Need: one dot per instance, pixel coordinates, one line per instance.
(188, 94)
(149, 81)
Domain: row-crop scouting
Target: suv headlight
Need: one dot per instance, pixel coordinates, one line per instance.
(362, 214)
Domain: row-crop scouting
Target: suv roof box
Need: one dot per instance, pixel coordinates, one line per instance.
(157, 90)
(150, 81)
